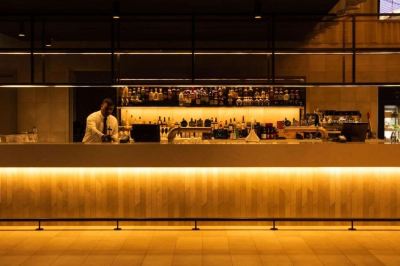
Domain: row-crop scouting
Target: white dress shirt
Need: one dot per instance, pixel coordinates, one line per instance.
(95, 125)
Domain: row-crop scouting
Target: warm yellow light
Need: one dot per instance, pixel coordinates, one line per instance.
(258, 17)
(260, 114)
(216, 171)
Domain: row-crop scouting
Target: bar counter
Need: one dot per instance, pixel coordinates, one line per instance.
(290, 154)
(200, 180)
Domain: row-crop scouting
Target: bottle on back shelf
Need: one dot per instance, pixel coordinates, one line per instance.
(286, 97)
(160, 95)
(151, 95)
(181, 99)
(155, 95)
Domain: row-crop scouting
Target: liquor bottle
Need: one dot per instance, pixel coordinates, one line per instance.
(181, 98)
(184, 123)
(291, 97)
(192, 123)
(140, 121)
(230, 126)
(198, 97)
(210, 96)
(199, 123)
(208, 122)
(215, 96)
(239, 102)
(234, 96)
(206, 97)
(155, 95)
(296, 97)
(175, 96)
(169, 95)
(159, 122)
(230, 97)
(281, 96)
(160, 95)
(251, 92)
(286, 97)
(263, 132)
(271, 96)
(215, 124)
(151, 95)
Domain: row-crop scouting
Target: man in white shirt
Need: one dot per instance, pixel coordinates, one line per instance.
(102, 126)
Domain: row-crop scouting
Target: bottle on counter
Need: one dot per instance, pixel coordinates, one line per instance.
(184, 123)
(192, 123)
(263, 132)
(208, 122)
(199, 123)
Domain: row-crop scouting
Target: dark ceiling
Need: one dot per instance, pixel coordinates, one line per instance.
(158, 31)
(167, 6)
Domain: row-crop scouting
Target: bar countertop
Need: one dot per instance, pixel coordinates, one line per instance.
(200, 155)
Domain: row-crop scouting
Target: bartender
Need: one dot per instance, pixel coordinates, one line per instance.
(102, 126)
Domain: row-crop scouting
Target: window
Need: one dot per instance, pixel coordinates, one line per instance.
(389, 6)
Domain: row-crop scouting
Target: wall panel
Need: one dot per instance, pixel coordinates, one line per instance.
(205, 192)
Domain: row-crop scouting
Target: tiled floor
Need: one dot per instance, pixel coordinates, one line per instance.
(210, 246)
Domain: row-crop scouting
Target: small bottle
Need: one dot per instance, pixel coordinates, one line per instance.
(181, 99)
(263, 132)
(160, 95)
(286, 97)
(184, 123)
(155, 95)
(192, 123)
(151, 96)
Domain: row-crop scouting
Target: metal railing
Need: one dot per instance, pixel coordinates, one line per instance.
(196, 220)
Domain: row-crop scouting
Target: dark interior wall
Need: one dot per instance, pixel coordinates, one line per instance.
(88, 100)
(8, 104)
(8, 111)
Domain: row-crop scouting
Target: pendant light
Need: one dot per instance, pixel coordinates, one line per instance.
(116, 11)
(22, 32)
(257, 9)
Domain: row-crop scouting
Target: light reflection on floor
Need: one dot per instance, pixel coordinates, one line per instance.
(220, 246)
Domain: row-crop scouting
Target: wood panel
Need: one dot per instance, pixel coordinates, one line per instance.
(208, 192)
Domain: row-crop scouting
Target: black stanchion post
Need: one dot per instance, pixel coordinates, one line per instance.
(352, 228)
(117, 228)
(39, 228)
(195, 228)
(274, 228)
